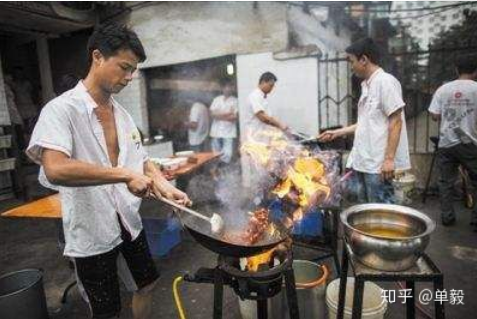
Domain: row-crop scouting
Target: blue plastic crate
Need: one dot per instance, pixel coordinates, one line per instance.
(310, 225)
(162, 234)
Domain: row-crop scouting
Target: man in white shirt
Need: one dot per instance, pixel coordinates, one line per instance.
(455, 105)
(198, 127)
(380, 144)
(257, 113)
(258, 121)
(90, 151)
(224, 112)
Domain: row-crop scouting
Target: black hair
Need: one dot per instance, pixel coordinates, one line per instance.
(466, 63)
(365, 47)
(267, 77)
(112, 37)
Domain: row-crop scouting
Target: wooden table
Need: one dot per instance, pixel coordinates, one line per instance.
(50, 207)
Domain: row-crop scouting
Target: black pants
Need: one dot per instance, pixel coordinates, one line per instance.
(449, 160)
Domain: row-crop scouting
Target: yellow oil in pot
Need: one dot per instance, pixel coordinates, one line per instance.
(386, 230)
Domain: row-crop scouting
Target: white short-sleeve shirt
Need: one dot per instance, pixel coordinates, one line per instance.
(199, 114)
(221, 128)
(381, 95)
(90, 214)
(456, 101)
(256, 102)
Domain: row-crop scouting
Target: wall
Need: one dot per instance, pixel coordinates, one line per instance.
(329, 36)
(177, 32)
(133, 99)
(294, 98)
(332, 39)
(173, 33)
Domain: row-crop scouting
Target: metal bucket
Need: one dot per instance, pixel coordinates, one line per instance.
(22, 295)
(310, 279)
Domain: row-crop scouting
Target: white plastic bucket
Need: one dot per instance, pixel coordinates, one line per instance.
(403, 187)
(374, 305)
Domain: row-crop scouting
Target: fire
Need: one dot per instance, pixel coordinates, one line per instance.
(299, 178)
(254, 262)
(259, 152)
(302, 177)
(305, 182)
(262, 146)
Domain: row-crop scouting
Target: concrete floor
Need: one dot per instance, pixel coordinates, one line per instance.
(27, 243)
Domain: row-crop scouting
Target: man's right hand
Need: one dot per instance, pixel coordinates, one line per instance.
(139, 185)
(330, 135)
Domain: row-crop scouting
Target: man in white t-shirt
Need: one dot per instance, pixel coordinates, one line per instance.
(380, 143)
(258, 118)
(224, 112)
(90, 151)
(198, 127)
(455, 105)
(257, 113)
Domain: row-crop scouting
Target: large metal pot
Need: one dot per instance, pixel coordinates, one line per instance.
(387, 237)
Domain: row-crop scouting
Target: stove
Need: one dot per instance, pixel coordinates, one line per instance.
(259, 286)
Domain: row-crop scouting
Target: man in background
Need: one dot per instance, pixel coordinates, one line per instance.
(455, 105)
(258, 115)
(224, 112)
(380, 143)
(198, 127)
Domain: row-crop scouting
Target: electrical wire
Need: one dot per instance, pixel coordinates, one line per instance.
(421, 15)
(177, 298)
(416, 17)
(448, 6)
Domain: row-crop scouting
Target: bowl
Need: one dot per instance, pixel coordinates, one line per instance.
(386, 237)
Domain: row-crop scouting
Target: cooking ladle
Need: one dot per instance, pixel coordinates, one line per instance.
(216, 221)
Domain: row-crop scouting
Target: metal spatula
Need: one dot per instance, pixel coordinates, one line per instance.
(216, 221)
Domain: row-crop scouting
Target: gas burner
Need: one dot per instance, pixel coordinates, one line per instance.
(251, 285)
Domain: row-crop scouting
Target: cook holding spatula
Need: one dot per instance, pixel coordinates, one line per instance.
(380, 145)
(90, 151)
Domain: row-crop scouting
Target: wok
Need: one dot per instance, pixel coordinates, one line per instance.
(201, 232)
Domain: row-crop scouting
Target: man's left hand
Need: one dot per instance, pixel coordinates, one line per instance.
(162, 188)
(387, 169)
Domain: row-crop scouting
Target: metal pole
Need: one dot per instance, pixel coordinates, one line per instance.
(327, 73)
(262, 311)
(343, 279)
(318, 66)
(427, 92)
(218, 293)
(410, 302)
(338, 97)
(291, 294)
